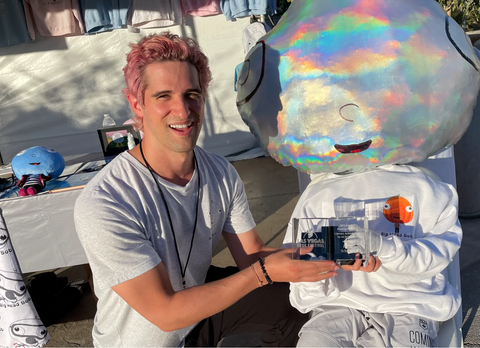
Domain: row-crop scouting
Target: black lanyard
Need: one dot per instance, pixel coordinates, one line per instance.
(182, 270)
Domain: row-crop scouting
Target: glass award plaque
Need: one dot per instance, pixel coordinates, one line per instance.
(327, 236)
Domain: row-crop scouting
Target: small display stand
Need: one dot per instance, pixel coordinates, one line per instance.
(327, 236)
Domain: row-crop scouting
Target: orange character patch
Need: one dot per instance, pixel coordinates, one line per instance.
(398, 210)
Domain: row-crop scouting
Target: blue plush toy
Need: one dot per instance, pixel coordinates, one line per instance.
(34, 167)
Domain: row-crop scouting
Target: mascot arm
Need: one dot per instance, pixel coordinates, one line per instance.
(424, 257)
(46, 177)
(21, 182)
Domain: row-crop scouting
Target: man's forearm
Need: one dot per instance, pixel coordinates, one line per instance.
(263, 252)
(192, 305)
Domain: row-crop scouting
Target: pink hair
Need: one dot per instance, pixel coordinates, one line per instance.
(160, 48)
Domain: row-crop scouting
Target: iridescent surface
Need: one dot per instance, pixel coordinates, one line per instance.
(353, 84)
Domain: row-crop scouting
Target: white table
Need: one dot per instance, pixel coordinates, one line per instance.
(41, 227)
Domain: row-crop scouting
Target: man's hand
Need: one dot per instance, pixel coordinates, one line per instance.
(282, 268)
(373, 265)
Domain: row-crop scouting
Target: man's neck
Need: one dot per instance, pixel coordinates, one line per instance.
(175, 167)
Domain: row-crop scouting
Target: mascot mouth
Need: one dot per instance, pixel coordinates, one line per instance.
(354, 148)
(35, 163)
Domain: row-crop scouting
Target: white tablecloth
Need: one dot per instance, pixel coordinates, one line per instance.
(42, 230)
(41, 227)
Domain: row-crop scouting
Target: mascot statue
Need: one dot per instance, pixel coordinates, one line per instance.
(34, 167)
(356, 90)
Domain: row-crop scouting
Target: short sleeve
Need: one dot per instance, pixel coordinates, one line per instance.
(113, 238)
(239, 218)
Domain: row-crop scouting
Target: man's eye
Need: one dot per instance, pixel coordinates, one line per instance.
(194, 96)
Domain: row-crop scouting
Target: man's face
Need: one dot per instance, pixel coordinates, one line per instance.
(174, 106)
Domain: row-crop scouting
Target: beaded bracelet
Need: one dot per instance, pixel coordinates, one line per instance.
(261, 261)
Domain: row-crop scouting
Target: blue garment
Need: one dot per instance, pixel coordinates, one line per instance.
(243, 8)
(13, 26)
(104, 15)
(272, 6)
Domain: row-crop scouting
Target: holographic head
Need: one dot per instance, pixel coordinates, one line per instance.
(349, 85)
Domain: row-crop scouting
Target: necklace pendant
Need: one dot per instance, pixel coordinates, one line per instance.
(184, 283)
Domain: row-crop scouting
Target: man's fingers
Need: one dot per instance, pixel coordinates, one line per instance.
(371, 265)
(378, 263)
(305, 250)
(320, 266)
(316, 277)
(312, 271)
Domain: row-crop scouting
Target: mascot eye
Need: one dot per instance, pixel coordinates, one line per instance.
(51, 150)
(409, 209)
(18, 330)
(386, 206)
(20, 287)
(251, 74)
(21, 152)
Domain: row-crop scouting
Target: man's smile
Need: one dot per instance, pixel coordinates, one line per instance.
(181, 126)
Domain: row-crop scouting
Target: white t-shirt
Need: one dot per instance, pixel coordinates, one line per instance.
(122, 223)
(412, 276)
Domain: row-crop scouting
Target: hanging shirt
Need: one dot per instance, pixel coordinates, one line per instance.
(201, 8)
(153, 14)
(103, 15)
(272, 6)
(53, 17)
(243, 8)
(13, 27)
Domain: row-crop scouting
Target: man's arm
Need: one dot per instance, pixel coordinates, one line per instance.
(152, 296)
(247, 247)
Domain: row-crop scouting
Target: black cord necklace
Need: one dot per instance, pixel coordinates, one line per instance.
(182, 270)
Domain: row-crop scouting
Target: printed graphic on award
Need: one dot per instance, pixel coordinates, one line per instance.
(328, 235)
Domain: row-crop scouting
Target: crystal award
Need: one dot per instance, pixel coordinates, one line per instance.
(327, 236)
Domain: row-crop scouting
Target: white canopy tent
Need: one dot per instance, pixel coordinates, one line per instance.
(56, 90)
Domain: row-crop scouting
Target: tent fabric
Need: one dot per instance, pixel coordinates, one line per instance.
(57, 89)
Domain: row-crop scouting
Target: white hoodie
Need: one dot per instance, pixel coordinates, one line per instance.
(412, 277)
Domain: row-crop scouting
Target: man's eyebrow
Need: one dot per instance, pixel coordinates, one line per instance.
(197, 90)
(156, 94)
(159, 93)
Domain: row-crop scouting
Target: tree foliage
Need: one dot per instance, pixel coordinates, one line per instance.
(464, 12)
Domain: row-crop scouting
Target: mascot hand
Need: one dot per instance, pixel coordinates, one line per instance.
(355, 243)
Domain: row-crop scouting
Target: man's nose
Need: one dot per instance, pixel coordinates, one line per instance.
(181, 108)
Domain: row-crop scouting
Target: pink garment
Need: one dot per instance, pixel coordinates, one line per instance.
(152, 14)
(201, 8)
(53, 17)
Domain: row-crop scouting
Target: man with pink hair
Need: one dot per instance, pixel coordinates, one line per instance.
(151, 218)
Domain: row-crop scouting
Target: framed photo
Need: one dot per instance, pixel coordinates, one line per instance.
(114, 140)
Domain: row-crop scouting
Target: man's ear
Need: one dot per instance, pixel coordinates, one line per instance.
(135, 105)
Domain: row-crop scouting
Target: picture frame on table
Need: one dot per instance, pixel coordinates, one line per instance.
(114, 140)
